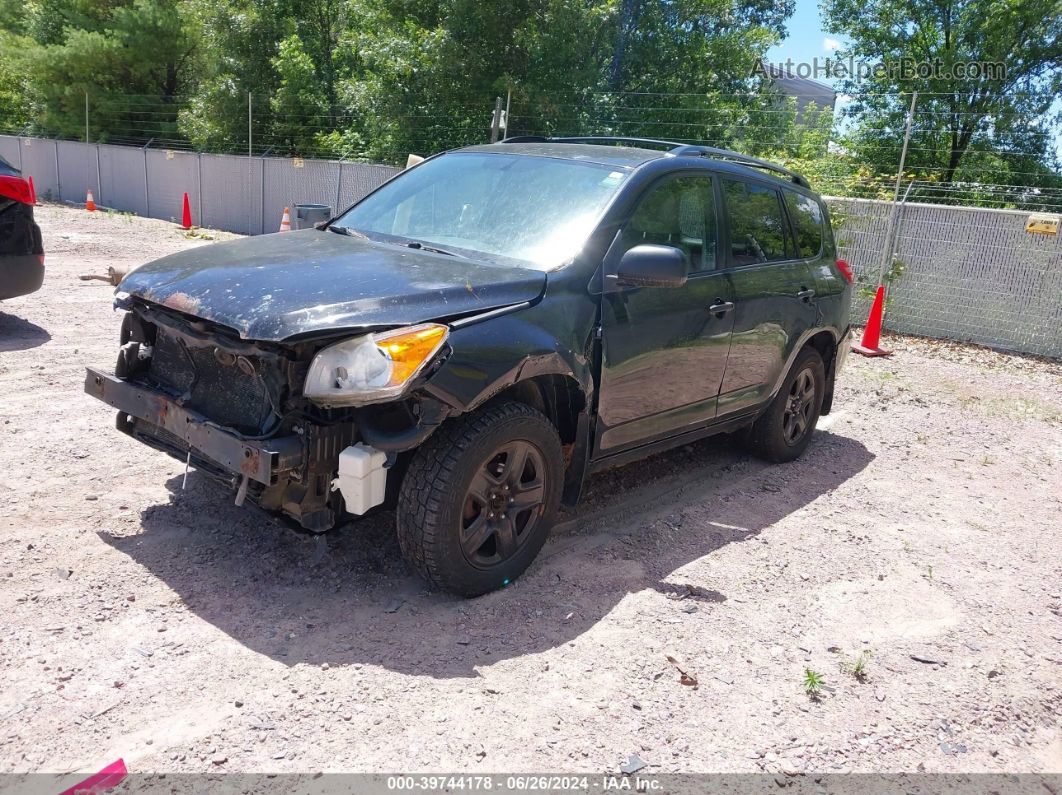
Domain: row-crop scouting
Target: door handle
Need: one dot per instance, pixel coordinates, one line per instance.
(721, 308)
(805, 294)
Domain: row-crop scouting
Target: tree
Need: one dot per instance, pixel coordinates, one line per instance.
(240, 42)
(431, 67)
(301, 101)
(132, 59)
(291, 56)
(967, 127)
(381, 78)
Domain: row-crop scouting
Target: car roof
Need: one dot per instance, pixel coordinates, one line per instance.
(626, 157)
(603, 154)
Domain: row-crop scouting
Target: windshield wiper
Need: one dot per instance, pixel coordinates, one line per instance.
(346, 230)
(433, 249)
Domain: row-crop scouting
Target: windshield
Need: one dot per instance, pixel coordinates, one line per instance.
(535, 210)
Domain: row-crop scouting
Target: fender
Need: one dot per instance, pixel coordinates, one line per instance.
(800, 343)
(489, 357)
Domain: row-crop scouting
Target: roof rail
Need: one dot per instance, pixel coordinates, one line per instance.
(674, 150)
(737, 157)
(587, 139)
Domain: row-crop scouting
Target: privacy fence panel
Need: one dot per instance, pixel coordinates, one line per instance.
(38, 161)
(77, 171)
(170, 175)
(358, 179)
(969, 274)
(860, 228)
(122, 180)
(290, 182)
(232, 194)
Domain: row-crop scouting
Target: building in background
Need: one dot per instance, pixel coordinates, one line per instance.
(804, 89)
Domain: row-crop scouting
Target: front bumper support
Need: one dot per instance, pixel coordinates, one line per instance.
(260, 460)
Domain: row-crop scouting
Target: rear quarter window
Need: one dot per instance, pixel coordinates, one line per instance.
(806, 215)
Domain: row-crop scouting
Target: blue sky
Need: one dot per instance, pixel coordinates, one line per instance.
(806, 38)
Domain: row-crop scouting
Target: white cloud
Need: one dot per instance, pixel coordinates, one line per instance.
(830, 44)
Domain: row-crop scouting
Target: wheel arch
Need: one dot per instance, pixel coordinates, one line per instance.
(824, 339)
(559, 397)
(825, 342)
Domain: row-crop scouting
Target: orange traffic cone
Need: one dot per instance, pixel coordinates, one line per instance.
(90, 203)
(285, 221)
(872, 333)
(33, 193)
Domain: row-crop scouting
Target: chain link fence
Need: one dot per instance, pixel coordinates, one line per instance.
(960, 273)
(970, 274)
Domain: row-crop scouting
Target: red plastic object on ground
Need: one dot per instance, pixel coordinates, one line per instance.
(186, 213)
(868, 346)
(110, 776)
(33, 192)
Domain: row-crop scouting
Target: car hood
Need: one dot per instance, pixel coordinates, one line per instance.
(273, 287)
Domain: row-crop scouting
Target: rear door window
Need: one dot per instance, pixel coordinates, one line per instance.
(806, 215)
(757, 225)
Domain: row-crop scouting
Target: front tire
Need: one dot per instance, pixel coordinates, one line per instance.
(784, 430)
(479, 497)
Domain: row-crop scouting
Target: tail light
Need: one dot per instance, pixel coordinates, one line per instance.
(846, 271)
(14, 188)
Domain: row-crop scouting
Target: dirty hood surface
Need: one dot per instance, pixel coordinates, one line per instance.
(277, 286)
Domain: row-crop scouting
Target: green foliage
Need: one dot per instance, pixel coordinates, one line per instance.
(968, 129)
(299, 98)
(813, 683)
(14, 19)
(890, 277)
(239, 41)
(15, 108)
(119, 54)
(857, 666)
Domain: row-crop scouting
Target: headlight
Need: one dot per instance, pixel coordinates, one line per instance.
(372, 367)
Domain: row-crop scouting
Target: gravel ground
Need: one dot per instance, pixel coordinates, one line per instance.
(168, 627)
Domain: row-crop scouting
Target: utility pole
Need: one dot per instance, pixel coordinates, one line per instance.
(886, 249)
(495, 121)
(508, 102)
(250, 134)
(147, 186)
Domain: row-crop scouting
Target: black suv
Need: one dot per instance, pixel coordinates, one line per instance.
(21, 253)
(470, 340)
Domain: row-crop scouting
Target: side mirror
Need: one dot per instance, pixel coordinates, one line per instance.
(650, 265)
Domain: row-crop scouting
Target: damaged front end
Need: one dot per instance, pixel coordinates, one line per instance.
(238, 411)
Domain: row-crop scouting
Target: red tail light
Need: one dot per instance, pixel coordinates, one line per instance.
(846, 270)
(15, 188)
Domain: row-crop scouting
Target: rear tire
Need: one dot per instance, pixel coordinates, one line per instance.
(784, 430)
(479, 497)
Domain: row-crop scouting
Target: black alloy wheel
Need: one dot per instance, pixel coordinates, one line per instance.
(503, 503)
(798, 409)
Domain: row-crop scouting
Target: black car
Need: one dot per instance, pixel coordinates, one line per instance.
(473, 338)
(21, 252)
